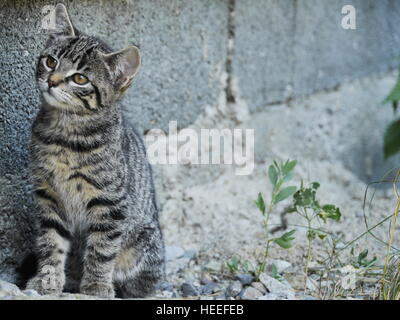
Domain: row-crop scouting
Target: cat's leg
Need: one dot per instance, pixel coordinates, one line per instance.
(103, 244)
(74, 265)
(52, 247)
(140, 268)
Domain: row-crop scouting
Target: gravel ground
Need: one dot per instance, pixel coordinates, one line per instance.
(208, 213)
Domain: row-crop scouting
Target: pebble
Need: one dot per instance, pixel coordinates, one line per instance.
(250, 293)
(166, 294)
(245, 278)
(213, 266)
(260, 287)
(173, 252)
(205, 278)
(220, 297)
(209, 288)
(9, 289)
(283, 290)
(307, 297)
(165, 286)
(234, 289)
(31, 293)
(281, 265)
(190, 254)
(269, 296)
(189, 290)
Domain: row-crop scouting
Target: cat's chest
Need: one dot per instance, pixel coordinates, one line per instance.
(68, 181)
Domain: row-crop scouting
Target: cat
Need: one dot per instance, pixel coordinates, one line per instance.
(97, 219)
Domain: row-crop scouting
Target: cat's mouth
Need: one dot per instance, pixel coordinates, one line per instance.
(59, 94)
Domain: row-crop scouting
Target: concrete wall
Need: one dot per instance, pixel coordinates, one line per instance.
(264, 52)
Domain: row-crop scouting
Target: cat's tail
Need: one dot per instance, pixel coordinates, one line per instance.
(27, 269)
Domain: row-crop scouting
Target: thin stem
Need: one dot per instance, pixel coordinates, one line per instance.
(308, 256)
(265, 257)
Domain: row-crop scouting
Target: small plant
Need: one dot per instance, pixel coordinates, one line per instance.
(308, 207)
(279, 174)
(275, 274)
(235, 265)
(390, 283)
(362, 262)
(391, 140)
(304, 203)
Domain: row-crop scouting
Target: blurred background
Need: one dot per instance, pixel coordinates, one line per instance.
(312, 90)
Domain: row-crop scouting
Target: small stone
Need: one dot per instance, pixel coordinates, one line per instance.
(176, 265)
(209, 288)
(283, 290)
(173, 252)
(220, 297)
(250, 293)
(307, 297)
(213, 266)
(31, 293)
(234, 289)
(166, 294)
(165, 286)
(205, 278)
(189, 290)
(9, 289)
(190, 254)
(245, 278)
(269, 296)
(281, 265)
(260, 287)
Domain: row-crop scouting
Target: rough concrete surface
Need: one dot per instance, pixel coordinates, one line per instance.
(291, 48)
(211, 209)
(183, 48)
(311, 90)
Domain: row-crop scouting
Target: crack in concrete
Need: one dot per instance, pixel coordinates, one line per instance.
(230, 95)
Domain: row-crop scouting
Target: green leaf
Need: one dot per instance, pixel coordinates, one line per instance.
(305, 197)
(363, 261)
(288, 177)
(315, 185)
(284, 193)
(260, 203)
(363, 254)
(233, 264)
(395, 105)
(285, 240)
(322, 235)
(313, 233)
(394, 95)
(275, 274)
(391, 140)
(273, 175)
(288, 167)
(329, 211)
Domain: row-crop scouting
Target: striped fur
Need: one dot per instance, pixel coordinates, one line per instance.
(97, 219)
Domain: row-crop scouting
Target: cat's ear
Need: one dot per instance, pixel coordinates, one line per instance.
(62, 25)
(124, 65)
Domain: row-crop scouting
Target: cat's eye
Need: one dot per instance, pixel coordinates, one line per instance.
(80, 79)
(51, 62)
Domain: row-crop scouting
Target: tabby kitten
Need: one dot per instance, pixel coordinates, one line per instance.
(97, 217)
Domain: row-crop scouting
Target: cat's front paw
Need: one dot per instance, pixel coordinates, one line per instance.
(43, 284)
(99, 289)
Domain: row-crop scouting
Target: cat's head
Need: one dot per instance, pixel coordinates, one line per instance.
(77, 72)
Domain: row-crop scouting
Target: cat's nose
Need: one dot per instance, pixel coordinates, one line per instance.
(54, 80)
